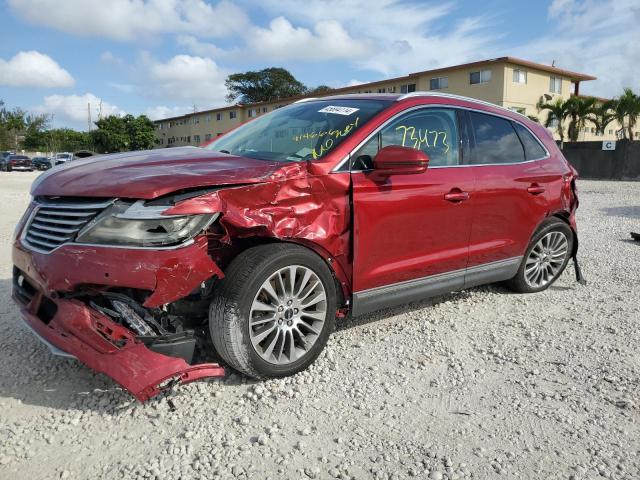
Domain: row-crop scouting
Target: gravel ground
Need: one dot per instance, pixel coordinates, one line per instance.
(476, 384)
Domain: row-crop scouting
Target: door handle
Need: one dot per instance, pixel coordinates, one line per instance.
(456, 195)
(535, 189)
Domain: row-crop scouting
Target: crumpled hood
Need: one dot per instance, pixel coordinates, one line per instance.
(151, 173)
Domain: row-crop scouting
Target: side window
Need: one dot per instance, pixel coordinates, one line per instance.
(532, 148)
(495, 140)
(434, 131)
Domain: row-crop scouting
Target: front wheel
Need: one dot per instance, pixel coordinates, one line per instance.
(273, 311)
(546, 257)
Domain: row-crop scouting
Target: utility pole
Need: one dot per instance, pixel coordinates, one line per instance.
(89, 115)
(100, 111)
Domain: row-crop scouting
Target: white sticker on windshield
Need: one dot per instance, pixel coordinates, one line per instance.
(338, 110)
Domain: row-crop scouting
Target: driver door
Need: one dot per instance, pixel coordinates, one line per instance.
(411, 232)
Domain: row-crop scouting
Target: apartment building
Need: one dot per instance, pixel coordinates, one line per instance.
(506, 81)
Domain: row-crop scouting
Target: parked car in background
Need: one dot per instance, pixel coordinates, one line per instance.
(41, 163)
(62, 157)
(16, 162)
(256, 243)
(84, 154)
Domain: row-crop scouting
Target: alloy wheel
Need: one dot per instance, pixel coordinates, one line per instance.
(287, 315)
(546, 259)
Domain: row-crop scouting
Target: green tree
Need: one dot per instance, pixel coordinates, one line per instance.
(627, 108)
(141, 132)
(118, 134)
(15, 124)
(320, 90)
(263, 85)
(36, 132)
(558, 112)
(580, 110)
(602, 115)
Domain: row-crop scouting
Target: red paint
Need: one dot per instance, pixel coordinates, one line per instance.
(371, 229)
(75, 329)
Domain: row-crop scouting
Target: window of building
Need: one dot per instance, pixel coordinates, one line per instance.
(555, 84)
(519, 76)
(496, 140)
(434, 131)
(196, 139)
(218, 116)
(189, 139)
(251, 112)
(381, 90)
(207, 137)
(532, 148)
(610, 132)
(520, 110)
(233, 114)
(207, 118)
(196, 120)
(264, 109)
(438, 83)
(483, 76)
(408, 88)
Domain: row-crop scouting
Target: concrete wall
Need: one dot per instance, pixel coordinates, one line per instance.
(591, 161)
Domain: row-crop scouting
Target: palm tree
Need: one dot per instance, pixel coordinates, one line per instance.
(558, 111)
(602, 115)
(579, 109)
(628, 106)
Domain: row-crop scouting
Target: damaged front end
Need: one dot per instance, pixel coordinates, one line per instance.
(137, 314)
(124, 285)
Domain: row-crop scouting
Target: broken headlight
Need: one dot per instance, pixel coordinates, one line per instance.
(138, 225)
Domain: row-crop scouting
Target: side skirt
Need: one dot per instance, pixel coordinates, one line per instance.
(367, 301)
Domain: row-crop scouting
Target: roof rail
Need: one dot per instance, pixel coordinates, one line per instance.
(457, 97)
(302, 100)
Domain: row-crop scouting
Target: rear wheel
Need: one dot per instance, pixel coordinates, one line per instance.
(546, 257)
(273, 311)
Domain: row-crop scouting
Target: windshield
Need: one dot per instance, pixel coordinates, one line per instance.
(302, 131)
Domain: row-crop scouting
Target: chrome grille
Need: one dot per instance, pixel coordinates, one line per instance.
(57, 221)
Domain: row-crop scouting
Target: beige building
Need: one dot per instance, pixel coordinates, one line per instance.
(506, 81)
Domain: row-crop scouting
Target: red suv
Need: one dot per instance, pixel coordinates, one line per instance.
(145, 263)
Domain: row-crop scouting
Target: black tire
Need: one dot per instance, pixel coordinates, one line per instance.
(9, 169)
(230, 308)
(553, 224)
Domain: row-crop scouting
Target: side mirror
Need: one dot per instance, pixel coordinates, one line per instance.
(396, 160)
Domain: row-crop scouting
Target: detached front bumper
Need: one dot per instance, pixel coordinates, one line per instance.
(71, 328)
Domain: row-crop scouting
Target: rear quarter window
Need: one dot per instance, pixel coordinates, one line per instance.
(496, 140)
(532, 148)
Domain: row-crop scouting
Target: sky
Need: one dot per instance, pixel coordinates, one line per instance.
(168, 57)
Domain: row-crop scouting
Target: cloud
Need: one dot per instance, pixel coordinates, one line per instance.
(598, 38)
(131, 19)
(196, 80)
(73, 108)
(283, 41)
(33, 69)
(400, 36)
(108, 57)
(202, 49)
(162, 111)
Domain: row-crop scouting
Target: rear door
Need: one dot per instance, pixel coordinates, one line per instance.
(510, 199)
(410, 227)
